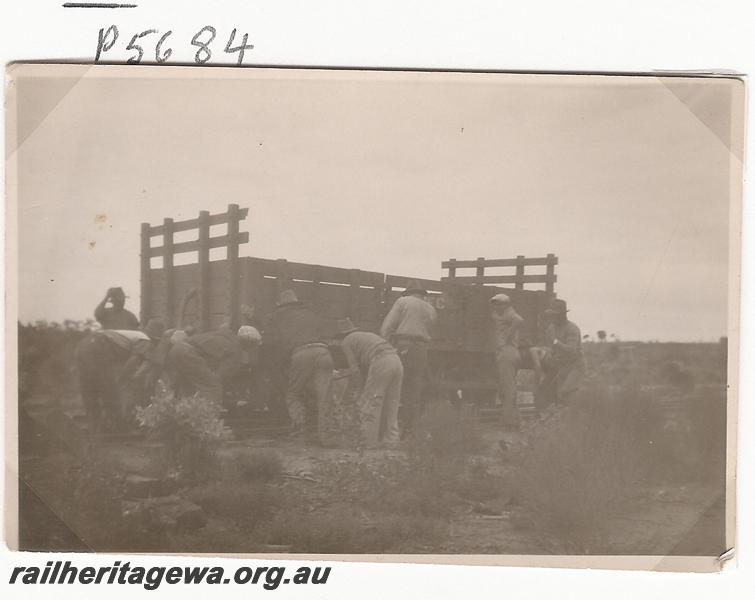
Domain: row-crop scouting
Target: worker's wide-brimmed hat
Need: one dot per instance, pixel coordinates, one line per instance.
(414, 287)
(344, 327)
(557, 307)
(154, 329)
(287, 297)
(247, 332)
(117, 291)
(500, 299)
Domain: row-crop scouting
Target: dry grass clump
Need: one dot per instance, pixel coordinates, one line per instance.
(439, 473)
(245, 504)
(707, 409)
(247, 464)
(578, 465)
(348, 532)
(87, 495)
(445, 434)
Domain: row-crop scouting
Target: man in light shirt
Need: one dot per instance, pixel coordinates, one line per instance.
(408, 327)
(382, 373)
(507, 324)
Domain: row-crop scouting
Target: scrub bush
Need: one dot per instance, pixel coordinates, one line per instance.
(191, 427)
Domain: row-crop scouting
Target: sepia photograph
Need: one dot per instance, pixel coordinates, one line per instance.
(451, 316)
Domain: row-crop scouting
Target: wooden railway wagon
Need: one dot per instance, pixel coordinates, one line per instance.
(460, 353)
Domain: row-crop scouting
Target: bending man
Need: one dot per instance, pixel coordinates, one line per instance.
(296, 331)
(107, 361)
(206, 362)
(382, 372)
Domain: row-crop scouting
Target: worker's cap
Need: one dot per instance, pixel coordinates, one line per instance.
(247, 332)
(179, 335)
(500, 299)
(287, 297)
(556, 307)
(344, 327)
(414, 287)
(154, 329)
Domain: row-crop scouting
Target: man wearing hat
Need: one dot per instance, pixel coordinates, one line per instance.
(296, 332)
(243, 384)
(207, 362)
(369, 354)
(507, 324)
(108, 360)
(564, 367)
(408, 326)
(115, 316)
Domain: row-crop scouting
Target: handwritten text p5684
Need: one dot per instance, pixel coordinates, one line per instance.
(152, 44)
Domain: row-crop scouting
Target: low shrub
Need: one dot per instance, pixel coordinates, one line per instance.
(190, 426)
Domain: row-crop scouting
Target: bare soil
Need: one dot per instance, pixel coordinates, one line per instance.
(656, 517)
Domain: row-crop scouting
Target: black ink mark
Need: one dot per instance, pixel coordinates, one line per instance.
(97, 5)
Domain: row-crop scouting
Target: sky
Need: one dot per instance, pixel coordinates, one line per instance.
(625, 179)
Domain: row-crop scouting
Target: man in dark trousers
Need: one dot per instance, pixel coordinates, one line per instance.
(563, 367)
(115, 316)
(296, 331)
(408, 326)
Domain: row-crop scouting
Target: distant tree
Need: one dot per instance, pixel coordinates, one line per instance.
(602, 335)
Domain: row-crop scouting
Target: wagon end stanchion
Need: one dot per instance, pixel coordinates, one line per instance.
(204, 269)
(519, 279)
(163, 305)
(144, 279)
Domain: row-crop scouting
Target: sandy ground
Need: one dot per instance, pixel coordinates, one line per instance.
(682, 519)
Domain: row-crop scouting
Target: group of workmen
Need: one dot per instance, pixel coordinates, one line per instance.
(120, 364)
